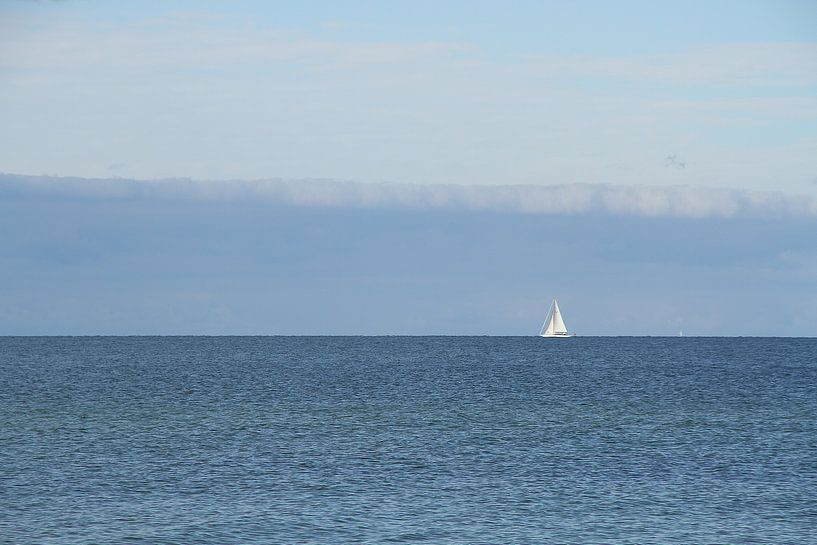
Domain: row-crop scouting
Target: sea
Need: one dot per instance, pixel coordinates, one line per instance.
(259, 440)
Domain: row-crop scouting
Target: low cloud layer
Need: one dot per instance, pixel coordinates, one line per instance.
(648, 201)
(116, 256)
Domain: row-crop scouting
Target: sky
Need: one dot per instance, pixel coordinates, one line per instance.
(251, 167)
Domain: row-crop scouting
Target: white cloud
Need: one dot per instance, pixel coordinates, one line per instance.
(650, 201)
(745, 64)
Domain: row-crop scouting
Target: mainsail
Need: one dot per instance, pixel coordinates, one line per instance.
(554, 324)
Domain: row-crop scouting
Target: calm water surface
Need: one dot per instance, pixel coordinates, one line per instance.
(213, 440)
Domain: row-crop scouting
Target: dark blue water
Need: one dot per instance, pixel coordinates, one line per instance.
(407, 440)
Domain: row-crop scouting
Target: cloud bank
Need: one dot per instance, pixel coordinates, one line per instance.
(646, 201)
(115, 256)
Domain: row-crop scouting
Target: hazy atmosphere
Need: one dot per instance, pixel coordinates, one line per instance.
(408, 167)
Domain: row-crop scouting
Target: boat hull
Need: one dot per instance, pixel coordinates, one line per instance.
(556, 336)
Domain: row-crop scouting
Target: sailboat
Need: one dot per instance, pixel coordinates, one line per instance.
(554, 325)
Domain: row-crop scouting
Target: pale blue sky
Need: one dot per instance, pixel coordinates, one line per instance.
(518, 27)
(419, 92)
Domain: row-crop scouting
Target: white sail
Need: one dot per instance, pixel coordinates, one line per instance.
(558, 323)
(547, 329)
(554, 325)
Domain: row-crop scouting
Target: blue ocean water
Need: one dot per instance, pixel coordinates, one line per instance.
(213, 440)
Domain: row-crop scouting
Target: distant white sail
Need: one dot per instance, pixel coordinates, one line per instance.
(547, 329)
(554, 325)
(558, 322)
